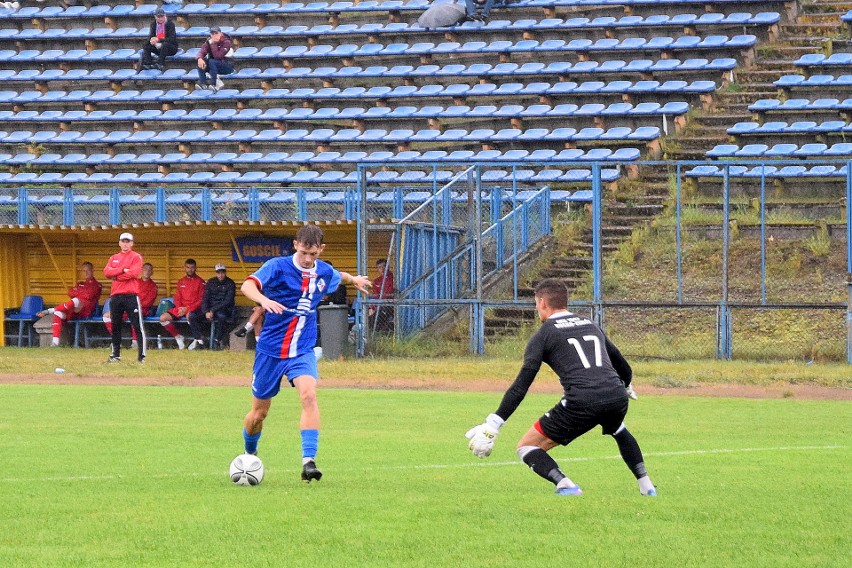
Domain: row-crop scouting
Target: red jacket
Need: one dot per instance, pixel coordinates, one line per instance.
(124, 282)
(383, 287)
(147, 295)
(89, 293)
(189, 293)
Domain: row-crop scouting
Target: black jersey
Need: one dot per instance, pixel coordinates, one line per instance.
(590, 368)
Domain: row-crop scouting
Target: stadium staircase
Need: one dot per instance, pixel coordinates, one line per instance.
(816, 28)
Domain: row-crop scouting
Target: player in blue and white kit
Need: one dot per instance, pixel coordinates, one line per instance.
(289, 289)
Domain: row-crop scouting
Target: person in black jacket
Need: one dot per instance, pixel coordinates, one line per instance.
(217, 307)
(162, 42)
(596, 380)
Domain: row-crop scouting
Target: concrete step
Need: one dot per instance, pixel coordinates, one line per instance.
(761, 76)
(811, 29)
(640, 210)
(605, 247)
(785, 52)
(738, 107)
(758, 87)
(746, 96)
(721, 121)
(691, 154)
(570, 277)
(825, 8)
(776, 63)
(698, 141)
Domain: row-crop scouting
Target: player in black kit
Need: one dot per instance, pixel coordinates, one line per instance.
(596, 380)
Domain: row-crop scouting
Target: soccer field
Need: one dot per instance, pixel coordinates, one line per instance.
(137, 476)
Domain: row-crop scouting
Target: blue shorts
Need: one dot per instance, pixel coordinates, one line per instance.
(268, 372)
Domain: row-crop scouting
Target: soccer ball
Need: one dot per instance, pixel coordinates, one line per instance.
(246, 469)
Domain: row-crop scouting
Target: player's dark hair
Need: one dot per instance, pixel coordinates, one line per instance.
(89, 264)
(309, 235)
(190, 261)
(147, 264)
(381, 261)
(554, 292)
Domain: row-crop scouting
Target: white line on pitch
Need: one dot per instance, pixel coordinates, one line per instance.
(436, 466)
(645, 454)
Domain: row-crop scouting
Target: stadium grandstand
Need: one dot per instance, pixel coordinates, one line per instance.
(344, 113)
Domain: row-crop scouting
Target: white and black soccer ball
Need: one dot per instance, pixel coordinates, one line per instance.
(246, 469)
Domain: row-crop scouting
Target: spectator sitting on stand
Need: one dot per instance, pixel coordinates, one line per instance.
(162, 42)
(473, 12)
(212, 60)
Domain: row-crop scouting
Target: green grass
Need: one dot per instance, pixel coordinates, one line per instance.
(136, 476)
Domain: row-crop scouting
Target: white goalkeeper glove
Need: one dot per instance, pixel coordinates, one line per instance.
(630, 392)
(482, 437)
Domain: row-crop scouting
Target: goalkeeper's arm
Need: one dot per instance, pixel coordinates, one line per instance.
(482, 437)
(622, 367)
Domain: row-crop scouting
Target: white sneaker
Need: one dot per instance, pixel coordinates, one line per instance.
(180, 343)
(196, 343)
(219, 83)
(134, 344)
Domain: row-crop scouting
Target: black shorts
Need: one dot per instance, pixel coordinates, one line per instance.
(568, 421)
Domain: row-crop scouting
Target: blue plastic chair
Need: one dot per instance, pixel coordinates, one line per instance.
(26, 316)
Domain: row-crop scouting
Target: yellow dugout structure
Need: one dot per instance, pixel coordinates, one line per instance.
(44, 261)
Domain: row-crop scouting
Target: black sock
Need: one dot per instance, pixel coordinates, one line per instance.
(630, 452)
(544, 465)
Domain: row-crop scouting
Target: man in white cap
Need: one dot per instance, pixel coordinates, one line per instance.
(123, 269)
(217, 307)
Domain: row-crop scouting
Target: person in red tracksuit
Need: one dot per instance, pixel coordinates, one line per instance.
(84, 299)
(148, 292)
(187, 299)
(124, 269)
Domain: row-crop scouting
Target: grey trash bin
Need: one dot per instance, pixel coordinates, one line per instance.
(334, 329)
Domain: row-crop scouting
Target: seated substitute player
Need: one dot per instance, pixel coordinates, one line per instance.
(147, 296)
(255, 322)
(596, 379)
(84, 298)
(289, 289)
(187, 299)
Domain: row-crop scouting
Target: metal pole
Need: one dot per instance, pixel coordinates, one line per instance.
(726, 236)
(515, 240)
(596, 232)
(361, 252)
(849, 260)
(678, 243)
(477, 312)
(762, 234)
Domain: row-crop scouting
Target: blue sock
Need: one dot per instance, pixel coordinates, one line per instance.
(310, 442)
(251, 441)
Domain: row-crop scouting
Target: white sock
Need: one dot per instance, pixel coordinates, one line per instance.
(306, 460)
(565, 483)
(55, 341)
(645, 484)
